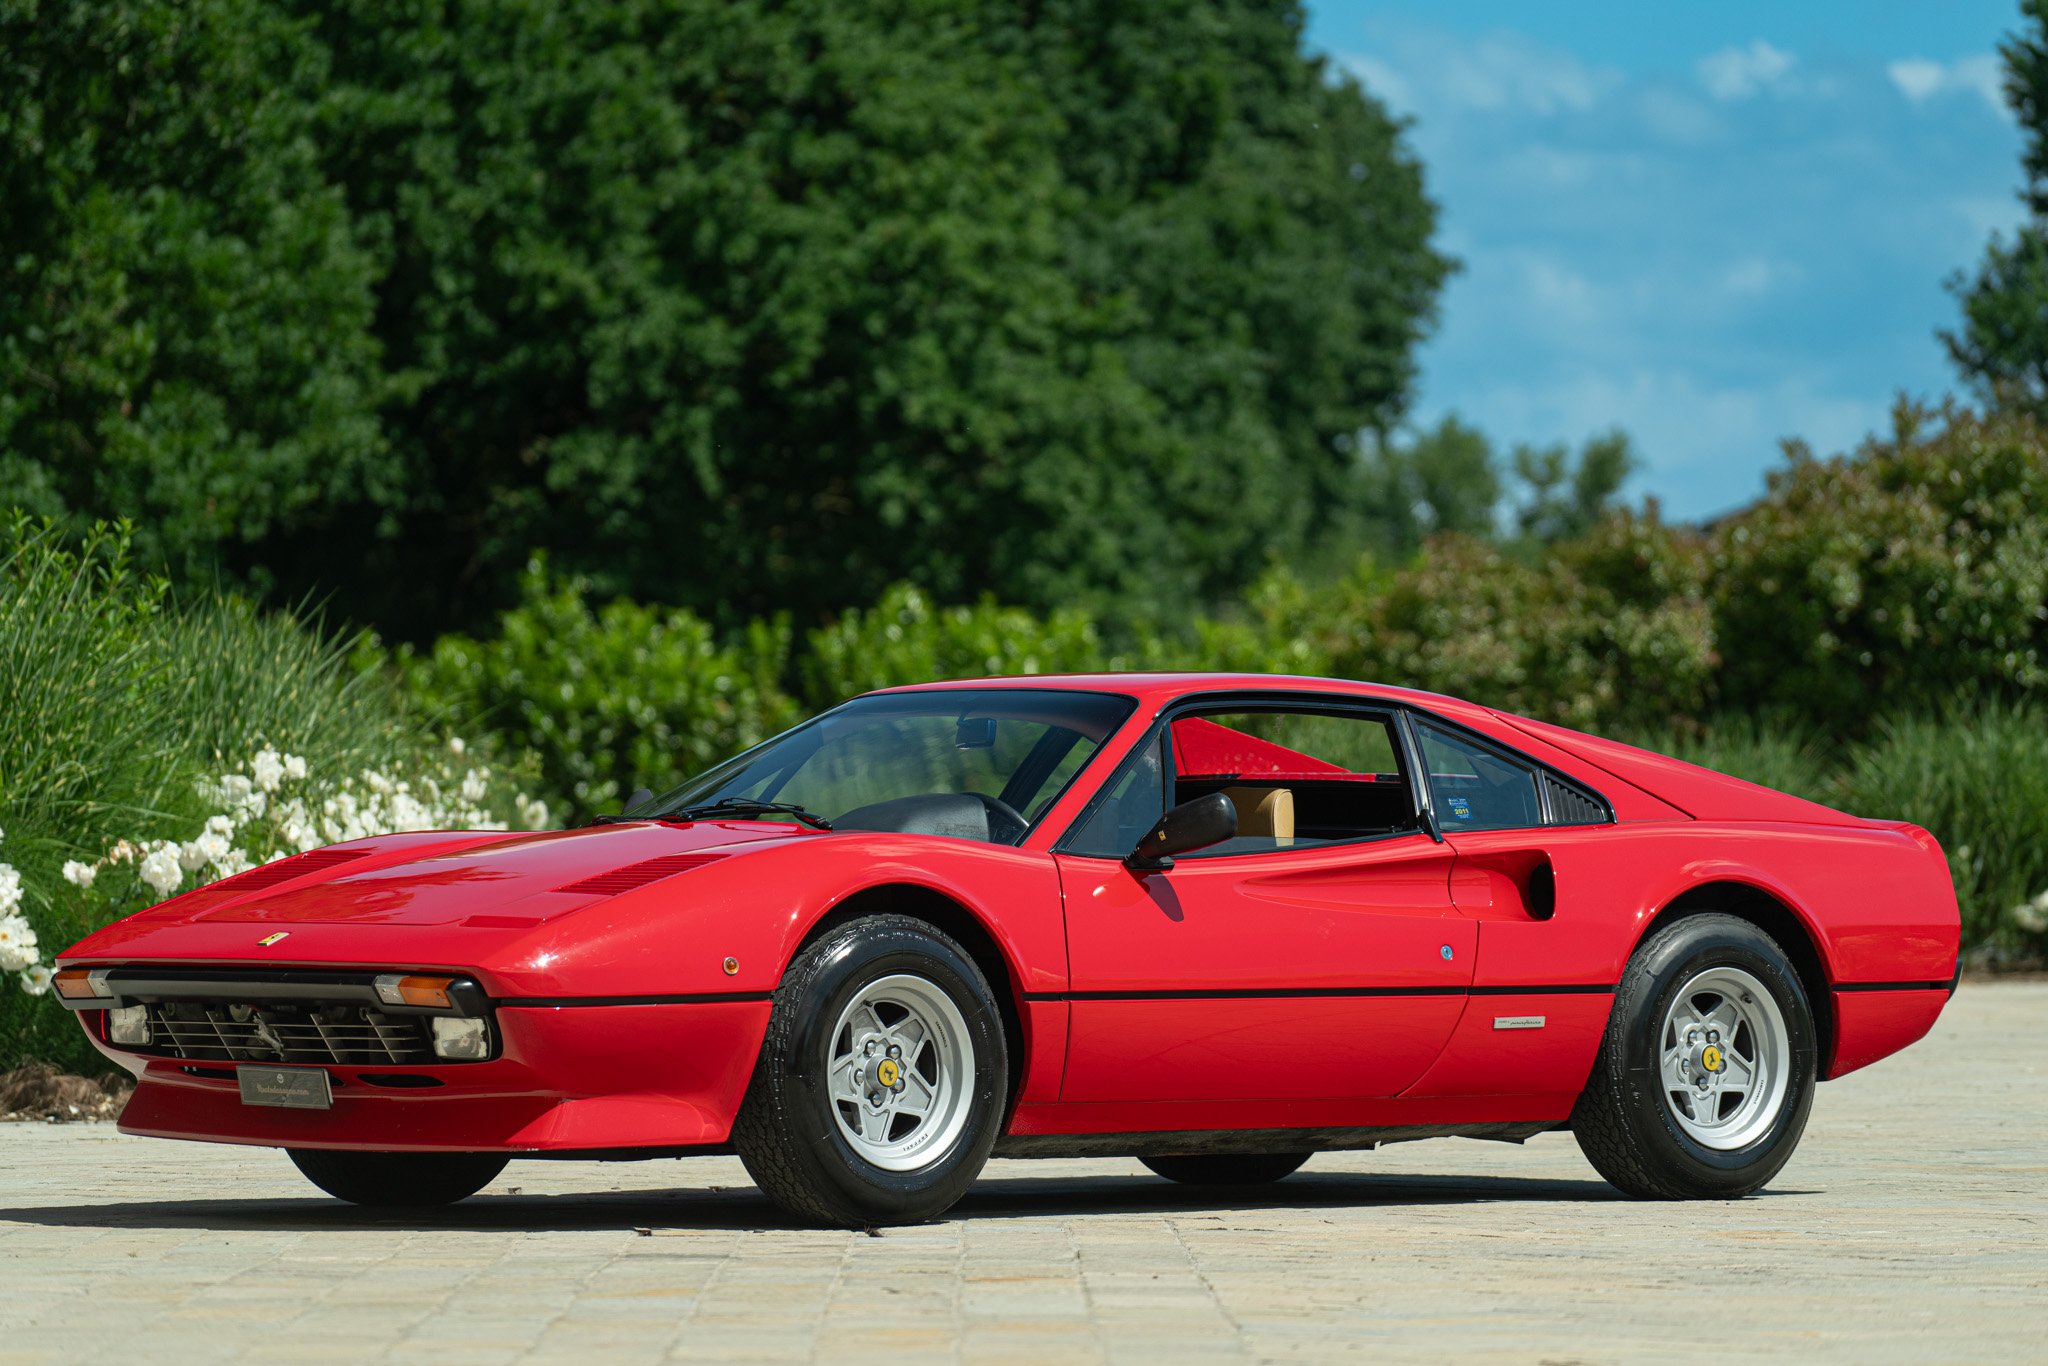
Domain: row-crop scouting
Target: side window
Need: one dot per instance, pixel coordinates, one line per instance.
(1474, 788)
(1297, 778)
(1136, 800)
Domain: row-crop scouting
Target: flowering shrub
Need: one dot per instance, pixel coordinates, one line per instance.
(276, 809)
(19, 952)
(148, 744)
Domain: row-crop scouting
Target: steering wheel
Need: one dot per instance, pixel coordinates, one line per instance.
(1005, 826)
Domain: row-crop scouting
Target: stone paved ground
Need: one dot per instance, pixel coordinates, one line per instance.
(1912, 1226)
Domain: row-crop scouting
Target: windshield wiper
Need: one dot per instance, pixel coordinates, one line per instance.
(744, 806)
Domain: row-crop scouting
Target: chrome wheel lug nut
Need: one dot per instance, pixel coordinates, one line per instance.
(895, 1050)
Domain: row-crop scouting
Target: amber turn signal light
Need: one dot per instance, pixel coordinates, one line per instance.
(428, 992)
(80, 984)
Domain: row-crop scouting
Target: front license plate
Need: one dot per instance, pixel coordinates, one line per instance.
(291, 1088)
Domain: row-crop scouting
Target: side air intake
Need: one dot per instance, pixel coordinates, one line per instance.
(1571, 805)
(638, 874)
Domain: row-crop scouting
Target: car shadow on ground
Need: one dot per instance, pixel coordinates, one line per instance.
(506, 1207)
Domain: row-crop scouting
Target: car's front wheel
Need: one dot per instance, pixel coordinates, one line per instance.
(1706, 1073)
(880, 1086)
(397, 1179)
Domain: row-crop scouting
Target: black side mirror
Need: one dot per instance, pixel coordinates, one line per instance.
(1191, 825)
(641, 796)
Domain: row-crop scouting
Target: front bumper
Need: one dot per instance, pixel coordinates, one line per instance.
(566, 1078)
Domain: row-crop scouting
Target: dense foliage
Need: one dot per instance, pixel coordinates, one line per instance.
(147, 743)
(2002, 344)
(739, 305)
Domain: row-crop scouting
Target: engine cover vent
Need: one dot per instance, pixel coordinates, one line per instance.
(638, 874)
(284, 870)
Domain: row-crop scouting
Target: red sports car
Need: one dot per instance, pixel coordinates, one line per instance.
(1216, 922)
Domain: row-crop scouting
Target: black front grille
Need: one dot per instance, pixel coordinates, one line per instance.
(218, 1031)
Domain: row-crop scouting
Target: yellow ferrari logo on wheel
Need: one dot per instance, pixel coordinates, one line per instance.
(886, 1071)
(1711, 1058)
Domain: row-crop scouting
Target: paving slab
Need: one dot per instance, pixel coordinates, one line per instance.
(1912, 1226)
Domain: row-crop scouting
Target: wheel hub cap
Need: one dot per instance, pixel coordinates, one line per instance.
(900, 1073)
(1726, 1058)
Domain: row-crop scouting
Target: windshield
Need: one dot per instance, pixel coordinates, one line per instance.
(973, 763)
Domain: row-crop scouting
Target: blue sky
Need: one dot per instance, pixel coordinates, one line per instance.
(1713, 225)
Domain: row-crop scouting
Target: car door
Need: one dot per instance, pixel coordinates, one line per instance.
(1326, 962)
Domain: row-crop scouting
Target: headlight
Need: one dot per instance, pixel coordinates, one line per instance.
(128, 1024)
(461, 1039)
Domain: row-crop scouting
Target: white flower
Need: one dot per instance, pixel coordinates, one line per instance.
(267, 768)
(455, 745)
(230, 862)
(17, 942)
(220, 825)
(80, 874)
(160, 869)
(10, 889)
(294, 767)
(473, 787)
(235, 790)
(35, 979)
(2032, 916)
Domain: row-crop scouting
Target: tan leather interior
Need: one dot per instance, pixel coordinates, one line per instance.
(1265, 811)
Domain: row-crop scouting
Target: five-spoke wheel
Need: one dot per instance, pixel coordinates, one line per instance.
(880, 1087)
(902, 1072)
(1706, 1071)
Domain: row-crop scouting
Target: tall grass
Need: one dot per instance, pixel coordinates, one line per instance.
(117, 699)
(1978, 780)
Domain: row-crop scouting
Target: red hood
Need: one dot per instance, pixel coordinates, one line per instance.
(504, 881)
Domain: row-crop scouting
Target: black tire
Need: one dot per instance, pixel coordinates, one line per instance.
(1227, 1169)
(1623, 1121)
(788, 1132)
(392, 1180)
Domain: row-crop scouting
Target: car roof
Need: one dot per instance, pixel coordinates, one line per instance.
(1163, 687)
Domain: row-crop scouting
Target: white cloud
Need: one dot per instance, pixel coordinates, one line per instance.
(1498, 72)
(1754, 276)
(1737, 73)
(1921, 80)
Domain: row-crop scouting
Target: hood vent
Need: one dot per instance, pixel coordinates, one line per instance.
(638, 874)
(285, 869)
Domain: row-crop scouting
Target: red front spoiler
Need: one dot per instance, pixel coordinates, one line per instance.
(568, 1079)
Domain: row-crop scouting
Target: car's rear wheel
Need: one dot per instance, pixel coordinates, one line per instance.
(390, 1180)
(880, 1086)
(1225, 1169)
(1705, 1075)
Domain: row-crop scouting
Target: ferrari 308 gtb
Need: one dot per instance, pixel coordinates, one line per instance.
(1216, 922)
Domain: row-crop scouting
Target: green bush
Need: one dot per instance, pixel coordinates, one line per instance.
(606, 698)
(1609, 630)
(1884, 582)
(148, 743)
(906, 638)
(1978, 781)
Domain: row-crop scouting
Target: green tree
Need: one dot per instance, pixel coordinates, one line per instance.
(1563, 498)
(184, 311)
(735, 304)
(2002, 344)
